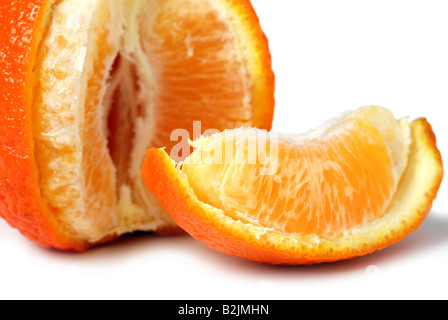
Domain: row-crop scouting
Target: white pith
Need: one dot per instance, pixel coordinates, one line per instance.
(75, 21)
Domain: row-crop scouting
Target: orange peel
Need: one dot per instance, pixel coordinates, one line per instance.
(218, 229)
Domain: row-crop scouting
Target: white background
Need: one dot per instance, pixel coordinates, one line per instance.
(329, 56)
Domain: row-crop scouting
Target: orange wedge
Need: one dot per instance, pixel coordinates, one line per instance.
(87, 86)
(356, 185)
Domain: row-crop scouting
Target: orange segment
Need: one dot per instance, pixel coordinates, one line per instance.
(94, 84)
(347, 189)
(222, 75)
(75, 169)
(325, 186)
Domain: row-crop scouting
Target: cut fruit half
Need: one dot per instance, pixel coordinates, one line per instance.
(88, 86)
(356, 185)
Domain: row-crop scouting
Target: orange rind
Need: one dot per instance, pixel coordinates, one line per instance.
(88, 86)
(245, 233)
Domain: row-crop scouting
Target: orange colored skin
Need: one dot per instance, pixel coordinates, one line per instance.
(172, 189)
(264, 78)
(21, 203)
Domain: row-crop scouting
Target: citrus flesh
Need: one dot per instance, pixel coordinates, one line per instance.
(104, 80)
(357, 184)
